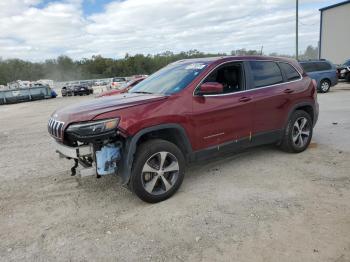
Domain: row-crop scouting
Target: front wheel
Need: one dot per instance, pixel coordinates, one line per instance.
(158, 170)
(347, 77)
(298, 133)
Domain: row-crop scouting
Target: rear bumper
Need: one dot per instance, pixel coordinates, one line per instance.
(72, 152)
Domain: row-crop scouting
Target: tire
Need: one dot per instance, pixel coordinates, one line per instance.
(347, 77)
(297, 136)
(157, 185)
(325, 85)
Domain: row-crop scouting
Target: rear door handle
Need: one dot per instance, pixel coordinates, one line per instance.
(245, 99)
(288, 91)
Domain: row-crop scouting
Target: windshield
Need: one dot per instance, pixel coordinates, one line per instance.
(169, 80)
(347, 63)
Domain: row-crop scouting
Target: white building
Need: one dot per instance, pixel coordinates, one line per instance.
(334, 42)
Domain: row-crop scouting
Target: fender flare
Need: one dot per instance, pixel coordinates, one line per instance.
(301, 104)
(130, 147)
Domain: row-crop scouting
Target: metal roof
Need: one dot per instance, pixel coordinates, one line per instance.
(335, 5)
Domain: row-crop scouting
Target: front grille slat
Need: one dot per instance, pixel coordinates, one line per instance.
(59, 129)
(55, 128)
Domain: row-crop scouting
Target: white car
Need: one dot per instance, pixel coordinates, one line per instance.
(118, 82)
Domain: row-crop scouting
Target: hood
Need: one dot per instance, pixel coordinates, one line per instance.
(86, 111)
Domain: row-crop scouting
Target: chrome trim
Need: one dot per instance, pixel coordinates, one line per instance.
(215, 135)
(246, 90)
(55, 128)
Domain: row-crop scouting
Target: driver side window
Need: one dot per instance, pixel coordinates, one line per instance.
(229, 75)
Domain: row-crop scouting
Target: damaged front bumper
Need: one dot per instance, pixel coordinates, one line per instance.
(99, 161)
(72, 152)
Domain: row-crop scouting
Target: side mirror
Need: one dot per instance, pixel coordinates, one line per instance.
(211, 88)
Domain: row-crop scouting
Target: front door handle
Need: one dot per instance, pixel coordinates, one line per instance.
(288, 91)
(245, 99)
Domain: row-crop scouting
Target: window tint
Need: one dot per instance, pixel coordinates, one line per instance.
(265, 73)
(322, 66)
(316, 66)
(289, 71)
(309, 66)
(229, 75)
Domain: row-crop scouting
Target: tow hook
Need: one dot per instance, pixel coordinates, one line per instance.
(73, 169)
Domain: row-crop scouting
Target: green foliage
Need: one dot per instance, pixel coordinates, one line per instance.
(64, 68)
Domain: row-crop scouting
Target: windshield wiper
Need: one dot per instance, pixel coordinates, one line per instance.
(142, 92)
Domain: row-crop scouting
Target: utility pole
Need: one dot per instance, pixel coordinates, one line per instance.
(296, 30)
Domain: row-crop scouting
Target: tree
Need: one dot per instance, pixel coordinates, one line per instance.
(64, 68)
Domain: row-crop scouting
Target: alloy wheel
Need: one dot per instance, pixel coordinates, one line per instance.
(325, 86)
(160, 172)
(301, 132)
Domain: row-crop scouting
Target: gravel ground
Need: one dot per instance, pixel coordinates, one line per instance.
(259, 205)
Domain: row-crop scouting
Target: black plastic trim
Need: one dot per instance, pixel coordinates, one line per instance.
(131, 143)
(302, 104)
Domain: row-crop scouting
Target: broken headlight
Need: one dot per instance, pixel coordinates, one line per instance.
(94, 127)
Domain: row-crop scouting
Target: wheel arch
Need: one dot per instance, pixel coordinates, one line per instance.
(326, 79)
(308, 107)
(173, 133)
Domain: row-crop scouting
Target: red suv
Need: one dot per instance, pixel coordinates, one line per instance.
(189, 110)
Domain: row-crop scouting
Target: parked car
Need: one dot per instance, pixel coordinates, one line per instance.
(323, 71)
(81, 90)
(76, 90)
(67, 91)
(88, 84)
(190, 110)
(118, 82)
(131, 84)
(344, 70)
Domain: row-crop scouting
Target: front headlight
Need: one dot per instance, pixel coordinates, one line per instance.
(93, 127)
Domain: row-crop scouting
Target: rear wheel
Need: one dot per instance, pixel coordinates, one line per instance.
(298, 133)
(158, 170)
(325, 85)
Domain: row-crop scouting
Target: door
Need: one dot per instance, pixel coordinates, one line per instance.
(223, 117)
(273, 86)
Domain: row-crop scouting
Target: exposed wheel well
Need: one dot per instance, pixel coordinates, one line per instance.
(169, 134)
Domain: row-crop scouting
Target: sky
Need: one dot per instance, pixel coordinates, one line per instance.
(36, 30)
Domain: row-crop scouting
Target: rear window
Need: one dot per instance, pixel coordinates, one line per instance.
(119, 79)
(316, 66)
(290, 72)
(265, 73)
(322, 66)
